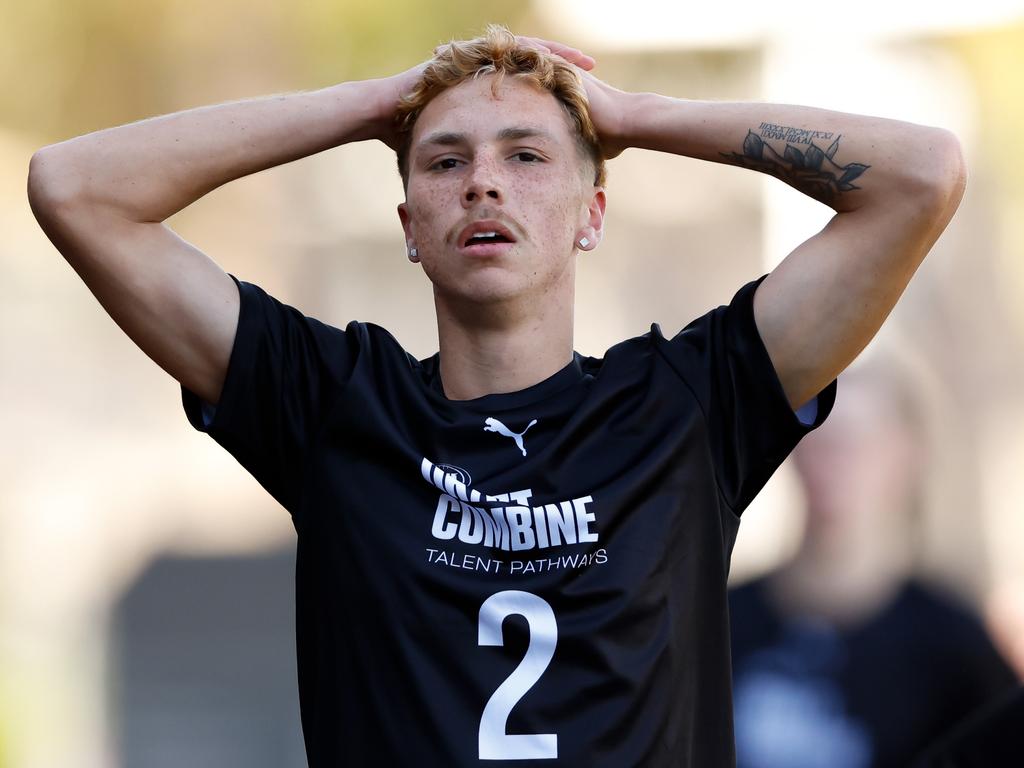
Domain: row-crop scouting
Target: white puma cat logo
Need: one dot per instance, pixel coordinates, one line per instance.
(493, 425)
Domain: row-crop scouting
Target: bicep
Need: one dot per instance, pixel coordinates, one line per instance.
(822, 305)
(169, 297)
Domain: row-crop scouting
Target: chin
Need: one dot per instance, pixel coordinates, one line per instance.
(484, 287)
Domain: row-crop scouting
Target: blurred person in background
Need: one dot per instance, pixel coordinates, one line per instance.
(842, 658)
(592, 502)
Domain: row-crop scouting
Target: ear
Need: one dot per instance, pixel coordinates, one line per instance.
(403, 216)
(410, 240)
(592, 229)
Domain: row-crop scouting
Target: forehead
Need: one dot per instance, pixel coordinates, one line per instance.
(477, 109)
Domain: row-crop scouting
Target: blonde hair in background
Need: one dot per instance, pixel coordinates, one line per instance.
(497, 52)
(948, 548)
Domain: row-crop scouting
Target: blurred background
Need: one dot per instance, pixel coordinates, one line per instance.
(146, 580)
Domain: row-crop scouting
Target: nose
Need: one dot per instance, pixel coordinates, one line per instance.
(483, 184)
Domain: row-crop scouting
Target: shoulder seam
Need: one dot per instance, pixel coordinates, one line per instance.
(316, 439)
(696, 399)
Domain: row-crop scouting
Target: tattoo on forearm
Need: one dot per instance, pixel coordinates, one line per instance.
(811, 169)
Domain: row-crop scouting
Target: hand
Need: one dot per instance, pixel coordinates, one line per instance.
(607, 108)
(607, 104)
(387, 92)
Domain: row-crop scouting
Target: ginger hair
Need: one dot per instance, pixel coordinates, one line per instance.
(498, 53)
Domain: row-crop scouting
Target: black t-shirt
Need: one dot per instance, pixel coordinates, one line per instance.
(529, 578)
(809, 695)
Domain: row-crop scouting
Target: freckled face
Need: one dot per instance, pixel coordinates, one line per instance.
(508, 158)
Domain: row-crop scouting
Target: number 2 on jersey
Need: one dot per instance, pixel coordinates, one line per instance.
(495, 743)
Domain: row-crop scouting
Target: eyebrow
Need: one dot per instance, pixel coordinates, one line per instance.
(452, 138)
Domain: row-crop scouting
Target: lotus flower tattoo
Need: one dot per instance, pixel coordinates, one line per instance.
(812, 170)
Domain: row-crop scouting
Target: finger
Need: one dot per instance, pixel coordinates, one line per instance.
(567, 52)
(570, 54)
(533, 42)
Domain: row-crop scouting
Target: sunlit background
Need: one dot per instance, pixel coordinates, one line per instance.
(140, 564)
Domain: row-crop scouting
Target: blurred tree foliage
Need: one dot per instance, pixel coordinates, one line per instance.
(995, 60)
(68, 67)
(5, 758)
(362, 35)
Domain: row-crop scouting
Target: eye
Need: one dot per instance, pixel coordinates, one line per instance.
(444, 164)
(528, 157)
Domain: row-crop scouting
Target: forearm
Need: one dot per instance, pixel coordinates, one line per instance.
(149, 170)
(844, 160)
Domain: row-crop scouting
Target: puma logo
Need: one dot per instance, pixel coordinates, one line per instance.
(493, 425)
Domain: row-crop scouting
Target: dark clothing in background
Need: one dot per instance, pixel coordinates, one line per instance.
(990, 738)
(807, 694)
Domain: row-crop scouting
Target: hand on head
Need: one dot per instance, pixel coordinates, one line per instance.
(606, 103)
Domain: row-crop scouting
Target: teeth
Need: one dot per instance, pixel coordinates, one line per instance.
(476, 237)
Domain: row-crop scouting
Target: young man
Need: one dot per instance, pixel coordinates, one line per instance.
(593, 503)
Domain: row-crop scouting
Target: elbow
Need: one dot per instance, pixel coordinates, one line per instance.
(50, 186)
(946, 177)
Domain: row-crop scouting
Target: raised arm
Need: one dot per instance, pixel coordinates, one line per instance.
(894, 187)
(101, 199)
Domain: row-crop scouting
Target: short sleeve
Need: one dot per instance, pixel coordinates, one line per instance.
(751, 427)
(284, 372)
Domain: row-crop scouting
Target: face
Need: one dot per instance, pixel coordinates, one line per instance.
(860, 468)
(481, 162)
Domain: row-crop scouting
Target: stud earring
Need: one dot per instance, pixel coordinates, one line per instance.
(584, 242)
(414, 255)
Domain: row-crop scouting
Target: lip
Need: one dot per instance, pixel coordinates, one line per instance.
(485, 225)
(483, 250)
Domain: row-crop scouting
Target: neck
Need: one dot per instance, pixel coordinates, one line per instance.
(492, 348)
(843, 583)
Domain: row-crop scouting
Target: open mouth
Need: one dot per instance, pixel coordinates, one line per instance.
(486, 238)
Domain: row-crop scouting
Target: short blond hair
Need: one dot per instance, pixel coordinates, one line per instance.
(497, 52)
